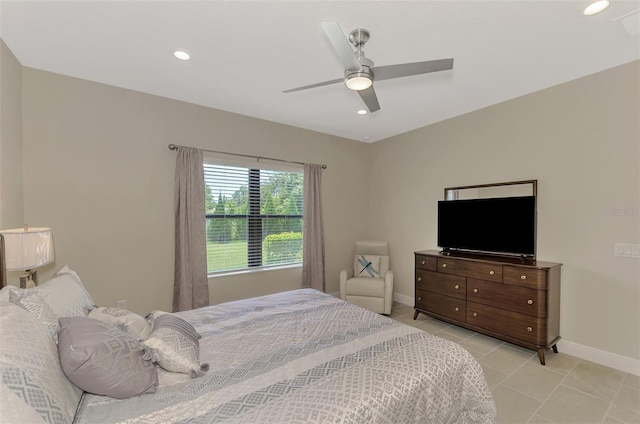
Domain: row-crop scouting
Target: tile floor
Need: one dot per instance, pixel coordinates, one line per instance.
(566, 390)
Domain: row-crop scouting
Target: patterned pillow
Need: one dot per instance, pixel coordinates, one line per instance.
(4, 293)
(62, 296)
(367, 266)
(104, 360)
(33, 387)
(133, 324)
(175, 345)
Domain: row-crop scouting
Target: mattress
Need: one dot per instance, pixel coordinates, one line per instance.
(307, 357)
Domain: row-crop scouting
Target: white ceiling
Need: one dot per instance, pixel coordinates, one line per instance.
(244, 53)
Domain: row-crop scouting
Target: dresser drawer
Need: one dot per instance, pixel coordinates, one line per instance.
(485, 271)
(429, 263)
(446, 306)
(527, 277)
(514, 298)
(519, 326)
(448, 285)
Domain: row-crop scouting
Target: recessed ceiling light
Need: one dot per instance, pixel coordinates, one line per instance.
(362, 112)
(181, 55)
(596, 7)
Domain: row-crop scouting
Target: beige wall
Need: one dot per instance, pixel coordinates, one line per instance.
(101, 176)
(11, 201)
(581, 141)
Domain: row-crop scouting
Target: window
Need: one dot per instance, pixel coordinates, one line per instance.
(253, 216)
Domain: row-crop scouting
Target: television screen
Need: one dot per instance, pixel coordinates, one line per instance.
(505, 225)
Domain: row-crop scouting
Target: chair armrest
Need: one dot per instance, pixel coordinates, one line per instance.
(388, 278)
(345, 274)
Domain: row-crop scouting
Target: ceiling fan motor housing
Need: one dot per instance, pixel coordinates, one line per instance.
(359, 37)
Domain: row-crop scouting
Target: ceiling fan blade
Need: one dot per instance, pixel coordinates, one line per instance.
(319, 84)
(370, 99)
(408, 69)
(341, 45)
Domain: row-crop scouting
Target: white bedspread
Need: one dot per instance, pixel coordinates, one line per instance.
(307, 357)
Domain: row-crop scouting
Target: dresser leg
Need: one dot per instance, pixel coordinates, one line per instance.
(541, 356)
(555, 348)
(415, 314)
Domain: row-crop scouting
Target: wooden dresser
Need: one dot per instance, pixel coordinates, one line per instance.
(503, 298)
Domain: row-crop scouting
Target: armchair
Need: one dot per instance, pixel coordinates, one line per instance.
(370, 283)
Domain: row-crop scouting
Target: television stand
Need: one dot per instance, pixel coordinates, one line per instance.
(506, 298)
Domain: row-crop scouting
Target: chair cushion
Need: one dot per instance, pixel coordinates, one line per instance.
(366, 266)
(365, 286)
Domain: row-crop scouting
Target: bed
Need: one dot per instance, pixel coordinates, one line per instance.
(298, 357)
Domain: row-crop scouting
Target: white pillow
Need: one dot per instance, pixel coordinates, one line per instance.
(34, 388)
(4, 293)
(62, 296)
(367, 266)
(133, 324)
(175, 345)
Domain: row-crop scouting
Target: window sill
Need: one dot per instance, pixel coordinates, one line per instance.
(253, 270)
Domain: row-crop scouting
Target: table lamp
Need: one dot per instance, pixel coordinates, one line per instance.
(26, 249)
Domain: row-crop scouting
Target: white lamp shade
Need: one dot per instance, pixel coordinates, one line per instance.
(27, 248)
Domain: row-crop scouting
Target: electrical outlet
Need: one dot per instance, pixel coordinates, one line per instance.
(122, 304)
(627, 250)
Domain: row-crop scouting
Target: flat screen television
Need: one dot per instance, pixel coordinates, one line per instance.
(505, 225)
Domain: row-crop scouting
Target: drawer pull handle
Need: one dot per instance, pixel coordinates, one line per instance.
(456, 309)
(457, 286)
(419, 278)
(529, 329)
(491, 272)
(444, 265)
(423, 262)
(475, 314)
(530, 302)
(420, 298)
(475, 290)
(523, 277)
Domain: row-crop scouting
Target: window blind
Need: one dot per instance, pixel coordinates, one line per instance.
(254, 216)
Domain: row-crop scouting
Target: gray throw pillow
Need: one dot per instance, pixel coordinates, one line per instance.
(104, 360)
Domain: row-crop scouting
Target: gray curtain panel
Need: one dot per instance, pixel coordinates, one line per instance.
(190, 287)
(313, 241)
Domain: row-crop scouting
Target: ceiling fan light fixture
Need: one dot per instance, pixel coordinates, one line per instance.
(358, 81)
(596, 7)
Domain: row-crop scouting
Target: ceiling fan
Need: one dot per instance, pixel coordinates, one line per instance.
(359, 72)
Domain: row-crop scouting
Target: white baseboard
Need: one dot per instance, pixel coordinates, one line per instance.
(602, 357)
(404, 299)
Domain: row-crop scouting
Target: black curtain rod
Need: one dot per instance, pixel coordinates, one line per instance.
(176, 147)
